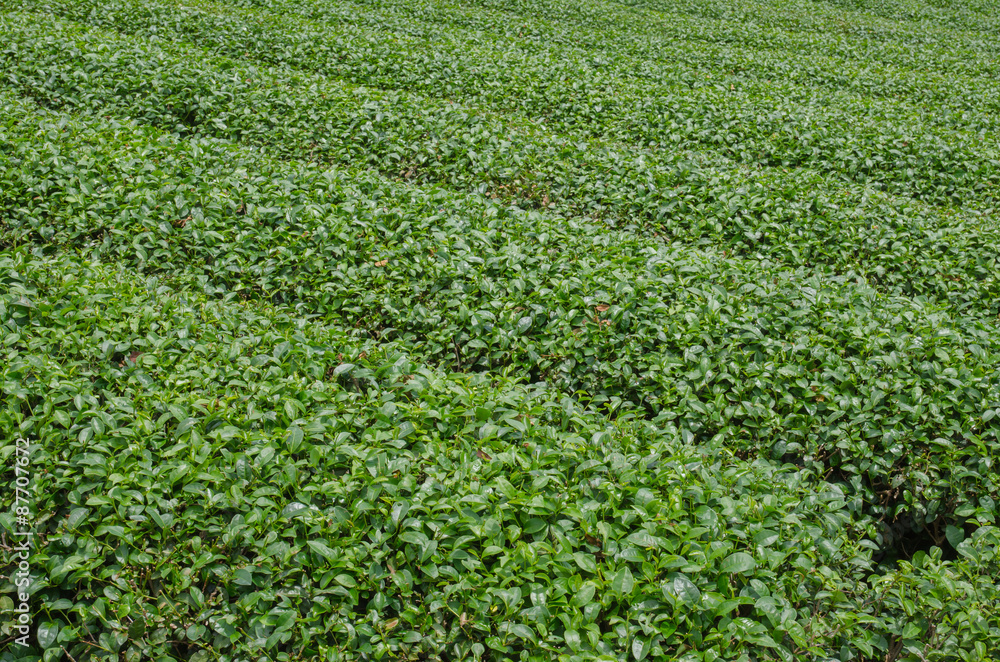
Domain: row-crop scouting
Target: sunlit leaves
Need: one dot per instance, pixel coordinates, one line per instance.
(504, 330)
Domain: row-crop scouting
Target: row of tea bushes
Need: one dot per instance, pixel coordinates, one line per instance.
(232, 481)
(771, 360)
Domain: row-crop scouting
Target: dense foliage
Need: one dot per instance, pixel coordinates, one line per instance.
(504, 329)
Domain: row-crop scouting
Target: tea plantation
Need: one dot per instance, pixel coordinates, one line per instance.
(500, 330)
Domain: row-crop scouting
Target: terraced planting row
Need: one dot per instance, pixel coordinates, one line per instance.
(838, 16)
(977, 16)
(655, 41)
(805, 127)
(845, 34)
(332, 341)
(384, 508)
(479, 46)
(409, 136)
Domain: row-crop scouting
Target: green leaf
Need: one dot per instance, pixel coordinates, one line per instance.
(640, 647)
(345, 580)
(585, 561)
(522, 631)
(294, 509)
(740, 562)
(623, 582)
(572, 638)
(76, 516)
(322, 549)
(294, 438)
(511, 597)
(47, 633)
(684, 589)
(642, 539)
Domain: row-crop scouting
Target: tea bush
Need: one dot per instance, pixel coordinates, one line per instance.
(501, 330)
